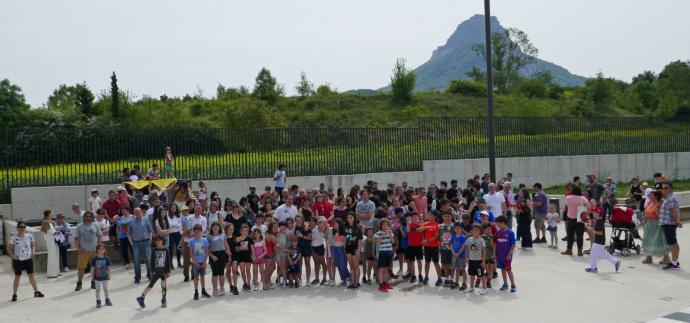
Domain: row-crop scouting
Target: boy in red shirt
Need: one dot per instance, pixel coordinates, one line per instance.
(431, 243)
(414, 247)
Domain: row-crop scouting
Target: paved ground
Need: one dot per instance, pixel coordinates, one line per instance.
(552, 287)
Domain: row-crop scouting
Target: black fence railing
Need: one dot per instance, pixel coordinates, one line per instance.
(78, 156)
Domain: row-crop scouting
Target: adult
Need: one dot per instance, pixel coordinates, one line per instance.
(576, 205)
(494, 200)
(323, 207)
(112, 206)
(237, 218)
(364, 209)
(540, 204)
(484, 185)
(176, 234)
(65, 230)
(524, 207)
(179, 193)
(654, 243)
(123, 197)
(286, 211)
(86, 239)
(280, 177)
(419, 202)
(22, 250)
(50, 235)
(140, 234)
(199, 218)
(214, 214)
(341, 211)
(78, 212)
(636, 193)
(122, 224)
(669, 219)
(103, 225)
(163, 227)
(509, 203)
(253, 199)
(596, 190)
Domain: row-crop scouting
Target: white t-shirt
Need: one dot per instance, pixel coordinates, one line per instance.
(194, 220)
(95, 203)
(215, 217)
(105, 224)
(317, 238)
(284, 212)
(494, 202)
(133, 178)
(175, 224)
(280, 174)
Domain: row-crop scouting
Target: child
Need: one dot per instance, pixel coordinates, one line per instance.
(476, 258)
(384, 242)
(505, 246)
(598, 243)
(369, 255)
(218, 246)
(241, 247)
(230, 274)
(100, 271)
(198, 253)
(458, 265)
(258, 259)
(488, 237)
(270, 257)
(168, 162)
(95, 201)
(161, 265)
(445, 230)
(431, 243)
(22, 250)
(294, 261)
(259, 224)
(552, 219)
(414, 247)
(280, 253)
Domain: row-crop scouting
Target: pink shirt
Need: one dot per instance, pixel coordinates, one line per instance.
(572, 202)
(420, 203)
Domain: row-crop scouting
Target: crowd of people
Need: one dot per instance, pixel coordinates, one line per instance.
(292, 237)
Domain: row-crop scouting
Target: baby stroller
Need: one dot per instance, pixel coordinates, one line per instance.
(624, 232)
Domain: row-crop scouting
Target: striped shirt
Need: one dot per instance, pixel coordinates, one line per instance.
(505, 240)
(385, 244)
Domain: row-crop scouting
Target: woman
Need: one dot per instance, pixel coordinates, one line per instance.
(236, 218)
(49, 233)
(162, 224)
(266, 208)
(636, 193)
(176, 234)
(523, 208)
(654, 243)
(305, 210)
(576, 205)
(341, 211)
(353, 238)
(241, 249)
(214, 214)
(354, 196)
(304, 234)
(247, 210)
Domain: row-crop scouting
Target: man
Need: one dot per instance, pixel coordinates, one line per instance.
(539, 205)
(187, 230)
(364, 209)
(482, 208)
(154, 203)
(280, 177)
(266, 192)
(322, 189)
(199, 218)
(112, 206)
(669, 219)
(494, 200)
(124, 176)
(657, 181)
(140, 233)
(596, 190)
(287, 210)
(453, 190)
(86, 239)
(253, 199)
(78, 213)
(154, 172)
(609, 193)
(22, 251)
(485, 184)
(404, 186)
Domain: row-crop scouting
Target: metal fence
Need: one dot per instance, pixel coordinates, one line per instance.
(78, 156)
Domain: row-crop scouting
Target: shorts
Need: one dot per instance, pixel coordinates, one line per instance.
(431, 254)
(446, 257)
(385, 259)
(269, 258)
(539, 220)
(294, 269)
(242, 258)
(475, 268)
(196, 271)
(458, 263)
(670, 233)
(413, 253)
(371, 258)
(305, 250)
(552, 229)
(23, 265)
(167, 168)
(351, 249)
(84, 259)
(400, 249)
(218, 267)
(505, 265)
(319, 250)
(155, 277)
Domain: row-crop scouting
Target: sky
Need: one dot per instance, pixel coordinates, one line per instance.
(176, 47)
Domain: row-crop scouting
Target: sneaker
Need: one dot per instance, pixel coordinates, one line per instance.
(388, 286)
(256, 287)
(205, 294)
(488, 284)
(592, 270)
(98, 303)
(108, 302)
(65, 269)
(618, 265)
(463, 287)
(78, 288)
(140, 300)
(454, 285)
(469, 290)
(234, 290)
(543, 239)
(186, 279)
(513, 289)
(482, 291)
(671, 266)
(352, 286)
(503, 287)
(38, 295)
(14, 297)
(342, 284)
(413, 280)
(439, 282)
(93, 284)
(196, 295)
(164, 303)
(537, 240)
(382, 289)
(246, 288)
(222, 292)
(324, 282)
(315, 282)
(425, 281)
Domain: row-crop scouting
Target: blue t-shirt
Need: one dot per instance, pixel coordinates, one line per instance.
(198, 247)
(100, 267)
(456, 243)
(477, 215)
(403, 238)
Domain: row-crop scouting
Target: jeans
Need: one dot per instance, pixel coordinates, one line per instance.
(574, 230)
(524, 227)
(125, 249)
(173, 243)
(139, 249)
(341, 262)
(63, 256)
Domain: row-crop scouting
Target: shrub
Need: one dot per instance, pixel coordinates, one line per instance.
(470, 88)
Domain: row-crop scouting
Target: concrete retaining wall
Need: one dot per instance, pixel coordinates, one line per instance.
(29, 203)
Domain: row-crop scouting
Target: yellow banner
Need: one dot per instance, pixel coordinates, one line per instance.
(162, 183)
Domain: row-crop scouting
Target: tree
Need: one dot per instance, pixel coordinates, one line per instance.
(304, 88)
(674, 89)
(511, 51)
(63, 99)
(402, 82)
(266, 87)
(114, 97)
(476, 74)
(325, 90)
(84, 100)
(600, 93)
(13, 106)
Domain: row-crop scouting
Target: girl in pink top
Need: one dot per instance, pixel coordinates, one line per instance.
(258, 257)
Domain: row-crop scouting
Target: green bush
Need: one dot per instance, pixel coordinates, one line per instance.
(470, 88)
(532, 89)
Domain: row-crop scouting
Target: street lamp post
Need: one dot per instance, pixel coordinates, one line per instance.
(490, 94)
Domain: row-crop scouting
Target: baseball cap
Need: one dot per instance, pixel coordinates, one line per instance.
(484, 213)
(94, 191)
(184, 208)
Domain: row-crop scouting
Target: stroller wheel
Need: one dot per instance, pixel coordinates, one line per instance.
(637, 249)
(625, 252)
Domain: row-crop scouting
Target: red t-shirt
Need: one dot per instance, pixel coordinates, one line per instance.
(112, 208)
(414, 238)
(431, 234)
(324, 209)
